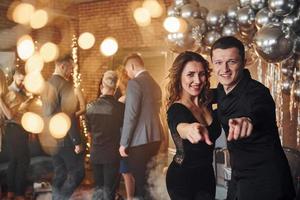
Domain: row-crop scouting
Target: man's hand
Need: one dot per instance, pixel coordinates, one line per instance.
(197, 133)
(239, 128)
(122, 151)
(78, 149)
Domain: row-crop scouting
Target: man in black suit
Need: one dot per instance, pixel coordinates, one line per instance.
(260, 169)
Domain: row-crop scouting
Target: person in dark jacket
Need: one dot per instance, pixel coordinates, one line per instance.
(13, 105)
(190, 176)
(104, 119)
(260, 169)
(68, 157)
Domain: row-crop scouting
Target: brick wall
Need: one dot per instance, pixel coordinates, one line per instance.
(113, 18)
(102, 18)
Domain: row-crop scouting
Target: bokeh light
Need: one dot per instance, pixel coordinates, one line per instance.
(109, 46)
(32, 122)
(22, 13)
(86, 40)
(175, 25)
(39, 19)
(25, 47)
(49, 52)
(59, 125)
(154, 8)
(142, 16)
(34, 82)
(172, 24)
(34, 64)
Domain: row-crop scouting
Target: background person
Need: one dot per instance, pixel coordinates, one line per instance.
(104, 119)
(142, 129)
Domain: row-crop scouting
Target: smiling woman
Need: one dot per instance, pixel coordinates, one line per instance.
(193, 127)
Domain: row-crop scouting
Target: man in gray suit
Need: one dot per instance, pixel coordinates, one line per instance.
(142, 129)
(68, 159)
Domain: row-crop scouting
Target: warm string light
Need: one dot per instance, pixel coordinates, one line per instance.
(77, 80)
(84, 128)
(76, 76)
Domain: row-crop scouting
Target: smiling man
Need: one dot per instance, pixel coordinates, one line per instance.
(260, 169)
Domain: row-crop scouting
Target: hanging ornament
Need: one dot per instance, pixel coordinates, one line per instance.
(298, 127)
(273, 43)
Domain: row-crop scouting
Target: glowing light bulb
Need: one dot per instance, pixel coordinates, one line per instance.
(32, 122)
(142, 16)
(86, 40)
(153, 7)
(22, 13)
(59, 125)
(34, 82)
(49, 52)
(174, 25)
(39, 19)
(25, 47)
(34, 64)
(109, 46)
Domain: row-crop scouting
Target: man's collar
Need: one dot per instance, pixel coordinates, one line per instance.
(137, 74)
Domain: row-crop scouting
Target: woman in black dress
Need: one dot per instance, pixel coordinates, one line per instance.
(190, 176)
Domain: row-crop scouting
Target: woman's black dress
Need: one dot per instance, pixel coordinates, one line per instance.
(190, 176)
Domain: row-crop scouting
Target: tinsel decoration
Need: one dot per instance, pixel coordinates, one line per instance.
(298, 127)
(259, 70)
(273, 82)
(293, 103)
(294, 100)
(279, 100)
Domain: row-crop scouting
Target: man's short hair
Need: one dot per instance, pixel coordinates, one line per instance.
(64, 59)
(229, 42)
(135, 56)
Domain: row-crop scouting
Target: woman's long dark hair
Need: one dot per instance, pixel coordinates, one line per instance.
(174, 87)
